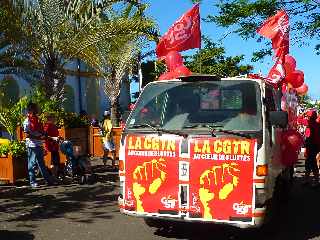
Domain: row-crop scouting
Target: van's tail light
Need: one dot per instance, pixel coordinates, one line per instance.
(121, 165)
(262, 170)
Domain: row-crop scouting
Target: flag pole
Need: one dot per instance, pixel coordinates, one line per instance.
(199, 60)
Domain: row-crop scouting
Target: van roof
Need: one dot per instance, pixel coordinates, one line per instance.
(208, 77)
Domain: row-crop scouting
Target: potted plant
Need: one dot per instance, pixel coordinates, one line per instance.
(11, 116)
(13, 161)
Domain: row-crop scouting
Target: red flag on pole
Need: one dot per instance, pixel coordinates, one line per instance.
(277, 29)
(277, 73)
(184, 34)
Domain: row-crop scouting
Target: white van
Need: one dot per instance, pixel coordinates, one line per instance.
(201, 148)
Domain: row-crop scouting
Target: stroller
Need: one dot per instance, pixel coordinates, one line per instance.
(77, 165)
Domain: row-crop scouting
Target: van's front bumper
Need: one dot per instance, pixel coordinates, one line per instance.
(257, 220)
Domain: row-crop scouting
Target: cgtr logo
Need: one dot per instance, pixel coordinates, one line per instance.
(168, 202)
(241, 208)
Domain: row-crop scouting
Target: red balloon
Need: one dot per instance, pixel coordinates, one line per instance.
(296, 78)
(305, 122)
(175, 66)
(182, 71)
(300, 120)
(173, 60)
(303, 89)
(292, 140)
(307, 132)
(311, 112)
(167, 76)
(289, 64)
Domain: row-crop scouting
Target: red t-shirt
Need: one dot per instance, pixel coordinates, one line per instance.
(52, 131)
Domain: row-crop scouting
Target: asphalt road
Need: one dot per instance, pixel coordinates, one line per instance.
(80, 212)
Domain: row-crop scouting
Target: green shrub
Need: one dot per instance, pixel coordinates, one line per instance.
(73, 120)
(16, 148)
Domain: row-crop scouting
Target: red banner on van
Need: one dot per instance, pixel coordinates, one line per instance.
(151, 183)
(222, 179)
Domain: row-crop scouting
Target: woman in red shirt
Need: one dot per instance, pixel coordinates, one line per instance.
(51, 144)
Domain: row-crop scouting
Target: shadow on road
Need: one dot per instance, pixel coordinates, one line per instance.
(15, 235)
(79, 203)
(296, 219)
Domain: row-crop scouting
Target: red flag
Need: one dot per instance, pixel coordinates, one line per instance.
(182, 35)
(280, 46)
(277, 73)
(277, 29)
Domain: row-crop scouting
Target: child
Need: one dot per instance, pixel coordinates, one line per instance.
(51, 144)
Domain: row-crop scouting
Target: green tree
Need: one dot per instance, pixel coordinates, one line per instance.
(59, 31)
(245, 16)
(11, 116)
(115, 58)
(9, 91)
(211, 59)
(306, 102)
(13, 57)
(151, 70)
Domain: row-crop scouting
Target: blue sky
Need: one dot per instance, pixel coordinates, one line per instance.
(166, 12)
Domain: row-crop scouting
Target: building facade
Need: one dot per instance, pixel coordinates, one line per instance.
(84, 90)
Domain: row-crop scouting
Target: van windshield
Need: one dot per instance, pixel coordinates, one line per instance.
(227, 104)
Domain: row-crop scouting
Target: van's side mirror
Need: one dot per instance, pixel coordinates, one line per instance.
(278, 118)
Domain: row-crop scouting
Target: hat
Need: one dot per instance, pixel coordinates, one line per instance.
(106, 113)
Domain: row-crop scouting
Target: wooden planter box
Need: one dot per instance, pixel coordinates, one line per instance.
(95, 140)
(78, 137)
(12, 169)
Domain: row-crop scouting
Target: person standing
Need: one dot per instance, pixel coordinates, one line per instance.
(312, 147)
(34, 137)
(108, 144)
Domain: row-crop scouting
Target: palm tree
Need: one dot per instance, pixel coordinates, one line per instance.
(60, 31)
(13, 58)
(116, 58)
